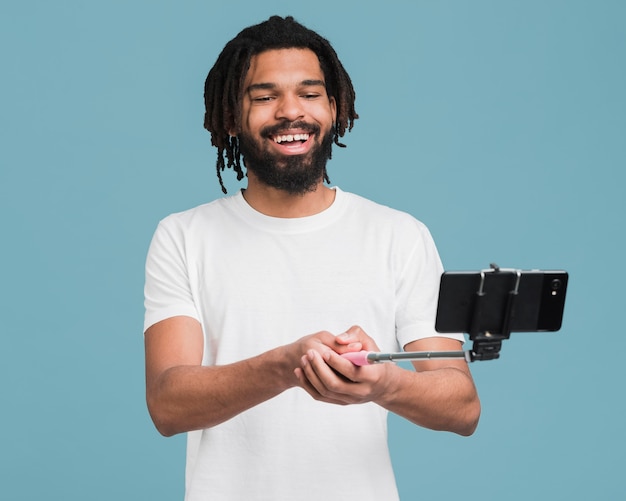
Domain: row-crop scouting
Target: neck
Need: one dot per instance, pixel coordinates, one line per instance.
(279, 203)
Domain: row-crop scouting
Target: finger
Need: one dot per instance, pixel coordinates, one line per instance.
(326, 381)
(347, 337)
(357, 334)
(311, 367)
(347, 364)
(348, 348)
(306, 385)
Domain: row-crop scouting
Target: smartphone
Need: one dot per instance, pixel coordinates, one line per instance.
(471, 301)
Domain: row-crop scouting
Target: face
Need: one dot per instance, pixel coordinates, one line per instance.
(287, 118)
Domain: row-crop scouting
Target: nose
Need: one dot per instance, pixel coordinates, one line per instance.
(289, 108)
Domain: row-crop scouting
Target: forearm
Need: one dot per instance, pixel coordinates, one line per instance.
(191, 397)
(444, 399)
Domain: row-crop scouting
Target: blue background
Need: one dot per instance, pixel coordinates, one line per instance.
(500, 124)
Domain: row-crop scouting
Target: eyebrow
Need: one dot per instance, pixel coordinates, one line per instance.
(271, 86)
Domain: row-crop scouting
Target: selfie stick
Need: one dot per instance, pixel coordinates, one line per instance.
(486, 345)
(361, 358)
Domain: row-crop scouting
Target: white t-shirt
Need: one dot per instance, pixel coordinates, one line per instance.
(256, 282)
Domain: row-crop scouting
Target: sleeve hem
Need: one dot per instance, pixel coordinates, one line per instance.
(416, 332)
(169, 312)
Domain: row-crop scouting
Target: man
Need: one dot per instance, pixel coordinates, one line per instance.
(252, 299)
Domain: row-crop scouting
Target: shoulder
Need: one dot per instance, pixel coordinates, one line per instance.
(213, 212)
(374, 213)
(182, 232)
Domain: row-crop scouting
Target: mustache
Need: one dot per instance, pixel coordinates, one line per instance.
(285, 125)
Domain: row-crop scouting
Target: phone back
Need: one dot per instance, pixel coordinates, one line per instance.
(479, 301)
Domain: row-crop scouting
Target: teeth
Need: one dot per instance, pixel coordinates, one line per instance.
(288, 138)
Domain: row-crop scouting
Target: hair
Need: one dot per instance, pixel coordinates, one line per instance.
(223, 88)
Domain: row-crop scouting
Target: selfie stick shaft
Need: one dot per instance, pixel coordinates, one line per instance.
(361, 358)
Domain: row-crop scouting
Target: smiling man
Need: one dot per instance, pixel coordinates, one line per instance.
(252, 299)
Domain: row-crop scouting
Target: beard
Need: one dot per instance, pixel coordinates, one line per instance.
(295, 174)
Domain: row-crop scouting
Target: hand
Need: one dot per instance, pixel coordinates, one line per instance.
(328, 377)
(321, 342)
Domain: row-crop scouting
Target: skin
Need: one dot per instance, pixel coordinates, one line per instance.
(183, 395)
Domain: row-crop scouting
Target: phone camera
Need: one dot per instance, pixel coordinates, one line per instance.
(556, 284)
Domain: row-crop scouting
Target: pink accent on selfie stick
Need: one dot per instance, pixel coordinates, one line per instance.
(357, 357)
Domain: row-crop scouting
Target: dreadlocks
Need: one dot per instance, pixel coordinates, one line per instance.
(223, 87)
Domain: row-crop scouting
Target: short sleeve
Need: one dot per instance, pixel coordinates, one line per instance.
(167, 291)
(418, 292)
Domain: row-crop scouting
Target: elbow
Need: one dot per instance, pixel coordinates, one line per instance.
(168, 415)
(162, 425)
(469, 421)
(164, 428)
(163, 420)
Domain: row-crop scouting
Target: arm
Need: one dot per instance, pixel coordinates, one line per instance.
(183, 395)
(439, 395)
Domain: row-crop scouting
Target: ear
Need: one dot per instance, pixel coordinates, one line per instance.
(233, 130)
(231, 126)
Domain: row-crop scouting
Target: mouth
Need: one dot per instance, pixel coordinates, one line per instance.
(291, 138)
(292, 141)
(287, 139)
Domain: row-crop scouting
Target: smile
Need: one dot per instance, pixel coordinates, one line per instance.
(289, 138)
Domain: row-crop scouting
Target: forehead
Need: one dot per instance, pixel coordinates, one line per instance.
(283, 67)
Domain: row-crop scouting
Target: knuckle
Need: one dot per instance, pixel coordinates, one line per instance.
(356, 329)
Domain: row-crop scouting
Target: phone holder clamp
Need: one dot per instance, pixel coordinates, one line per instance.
(487, 343)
